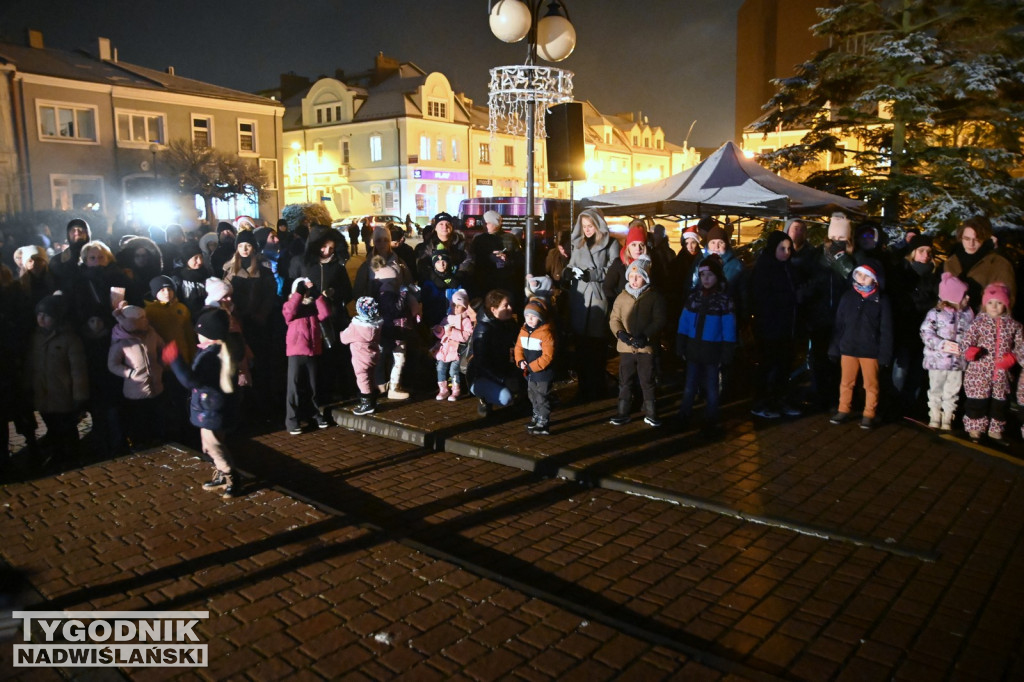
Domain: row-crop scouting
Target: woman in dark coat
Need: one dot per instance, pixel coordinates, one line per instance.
(773, 291)
(492, 375)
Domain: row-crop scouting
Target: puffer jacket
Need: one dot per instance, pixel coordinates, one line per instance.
(173, 322)
(941, 325)
(537, 347)
(136, 359)
(996, 336)
(642, 315)
(363, 340)
(863, 328)
(457, 330)
(210, 406)
(56, 370)
(304, 336)
(707, 327)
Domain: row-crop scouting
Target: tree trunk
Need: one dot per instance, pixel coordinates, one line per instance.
(210, 218)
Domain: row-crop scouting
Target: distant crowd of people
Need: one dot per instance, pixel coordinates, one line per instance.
(247, 321)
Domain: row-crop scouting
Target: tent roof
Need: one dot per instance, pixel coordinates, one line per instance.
(725, 182)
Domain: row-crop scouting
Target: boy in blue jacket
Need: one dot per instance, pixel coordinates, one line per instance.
(706, 340)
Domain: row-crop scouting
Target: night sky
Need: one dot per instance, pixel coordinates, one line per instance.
(674, 61)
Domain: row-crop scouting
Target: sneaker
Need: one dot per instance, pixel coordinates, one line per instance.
(233, 490)
(365, 406)
(652, 421)
(540, 429)
(294, 432)
(840, 418)
(869, 422)
(765, 413)
(216, 483)
(321, 422)
(619, 420)
(483, 409)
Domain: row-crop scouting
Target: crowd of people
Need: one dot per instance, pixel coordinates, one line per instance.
(207, 325)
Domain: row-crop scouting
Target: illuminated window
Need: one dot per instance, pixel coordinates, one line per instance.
(76, 192)
(485, 153)
(455, 149)
(424, 148)
(440, 149)
(510, 158)
(202, 132)
(246, 137)
(376, 151)
(139, 128)
(67, 122)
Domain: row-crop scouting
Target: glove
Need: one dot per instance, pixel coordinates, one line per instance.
(170, 353)
(639, 341)
(585, 277)
(577, 273)
(625, 337)
(1006, 362)
(974, 353)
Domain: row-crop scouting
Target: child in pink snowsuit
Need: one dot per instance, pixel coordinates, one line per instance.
(994, 342)
(456, 330)
(363, 338)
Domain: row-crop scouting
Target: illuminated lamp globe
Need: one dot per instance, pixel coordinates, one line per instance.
(556, 38)
(510, 20)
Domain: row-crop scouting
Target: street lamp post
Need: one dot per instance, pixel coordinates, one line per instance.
(516, 92)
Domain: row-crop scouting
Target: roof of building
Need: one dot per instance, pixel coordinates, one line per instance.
(82, 66)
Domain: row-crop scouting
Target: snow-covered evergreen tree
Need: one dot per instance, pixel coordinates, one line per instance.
(933, 90)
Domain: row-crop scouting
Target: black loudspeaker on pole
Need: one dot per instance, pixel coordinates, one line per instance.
(564, 124)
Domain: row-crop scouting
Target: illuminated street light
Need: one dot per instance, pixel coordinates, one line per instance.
(516, 92)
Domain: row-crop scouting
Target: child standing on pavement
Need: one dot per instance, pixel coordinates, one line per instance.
(861, 342)
(134, 356)
(213, 382)
(304, 311)
(943, 332)
(456, 330)
(706, 341)
(534, 353)
(363, 338)
(637, 318)
(994, 342)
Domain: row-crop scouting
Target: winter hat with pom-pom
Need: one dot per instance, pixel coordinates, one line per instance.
(952, 289)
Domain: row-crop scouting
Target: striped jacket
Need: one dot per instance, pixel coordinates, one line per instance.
(537, 347)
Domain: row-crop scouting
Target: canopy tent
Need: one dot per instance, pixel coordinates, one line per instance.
(724, 183)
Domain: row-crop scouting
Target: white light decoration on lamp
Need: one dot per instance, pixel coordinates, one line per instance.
(510, 20)
(556, 38)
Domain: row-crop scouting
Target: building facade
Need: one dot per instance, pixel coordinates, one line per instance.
(773, 37)
(86, 133)
(397, 140)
